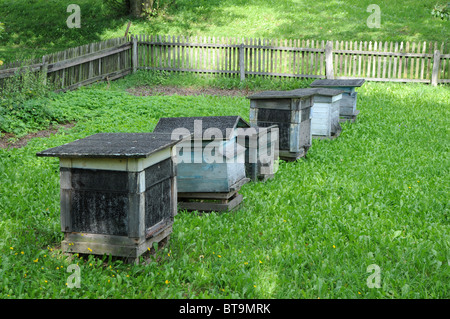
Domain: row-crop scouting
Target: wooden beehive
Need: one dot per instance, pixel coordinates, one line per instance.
(211, 166)
(291, 112)
(347, 109)
(261, 151)
(325, 113)
(118, 192)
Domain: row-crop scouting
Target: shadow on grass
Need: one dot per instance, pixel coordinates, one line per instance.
(39, 27)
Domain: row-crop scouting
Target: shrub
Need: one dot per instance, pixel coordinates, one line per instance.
(441, 11)
(23, 106)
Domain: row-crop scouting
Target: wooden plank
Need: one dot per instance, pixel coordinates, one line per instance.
(12, 71)
(294, 75)
(407, 61)
(311, 56)
(430, 50)
(436, 68)
(412, 61)
(259, 54)
(199, 195)
(417, 62)
(322, 57)
(380, 47)
(272, 56)
(386, 79)
(201, 71)
(424, 48)
(259, 45)
(211, 206)
(400, 64)
(369, 62)
(329, 72)
(394, 69)
(347, 59)
(383, 75)
(389, 53)
(102, 77)
(135, 55)
(242, 62)
(365, 60)
(317, 59)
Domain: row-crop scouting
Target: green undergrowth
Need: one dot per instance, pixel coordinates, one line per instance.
(376, 195)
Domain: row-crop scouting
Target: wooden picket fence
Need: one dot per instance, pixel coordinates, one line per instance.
(75, 67)
(374, 61)
(115, 58)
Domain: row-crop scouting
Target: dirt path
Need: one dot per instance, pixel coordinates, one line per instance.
(21, 142)
(172, 90)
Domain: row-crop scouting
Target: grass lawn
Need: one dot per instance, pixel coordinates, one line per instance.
(378, 194)
(36, 27)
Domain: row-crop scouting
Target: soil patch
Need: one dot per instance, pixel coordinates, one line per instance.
(173, 90)
(21, 142)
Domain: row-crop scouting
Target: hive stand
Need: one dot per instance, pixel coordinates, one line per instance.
(211, 166)
(325, 114)
(347, 109)
(118, 193)
(291, 112)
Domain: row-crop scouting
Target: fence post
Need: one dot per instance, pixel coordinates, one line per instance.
(91, 64)
(44, 69)
(134, 53)
(436, 67)
(329, 72)
(242, 61)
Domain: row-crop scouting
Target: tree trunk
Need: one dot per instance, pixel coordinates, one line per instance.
(136, 8)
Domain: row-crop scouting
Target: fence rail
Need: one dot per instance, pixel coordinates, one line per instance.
(115, 58)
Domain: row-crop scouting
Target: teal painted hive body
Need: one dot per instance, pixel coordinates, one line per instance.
(347, 108)
(211, 161)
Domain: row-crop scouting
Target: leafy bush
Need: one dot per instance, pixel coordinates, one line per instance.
(441, 11)
(23, 106)
(2, 28)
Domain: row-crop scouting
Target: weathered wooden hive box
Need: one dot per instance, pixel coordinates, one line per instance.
(291, 112)
(347, 109)
(118, 192)
(211, 166)
(325, 113)
(261, 151)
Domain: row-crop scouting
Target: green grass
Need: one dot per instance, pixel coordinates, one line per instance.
(378, 194)
(35, 27)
